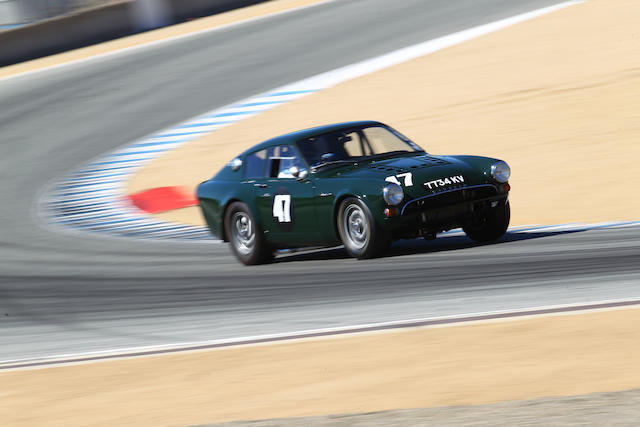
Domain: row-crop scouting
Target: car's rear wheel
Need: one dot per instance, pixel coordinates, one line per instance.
(246, 239)
(490, 226)
(361, 236)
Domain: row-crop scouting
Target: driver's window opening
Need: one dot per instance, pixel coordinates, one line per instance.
(281, 159)
(353, 144)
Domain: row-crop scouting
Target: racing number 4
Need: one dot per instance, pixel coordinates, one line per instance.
(282, 207)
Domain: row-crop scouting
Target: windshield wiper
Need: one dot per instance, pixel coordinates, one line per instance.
(391, 153)
(332, 163)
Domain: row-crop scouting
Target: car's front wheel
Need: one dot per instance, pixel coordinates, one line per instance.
(246, 239)
(361, 236)
(490, 226)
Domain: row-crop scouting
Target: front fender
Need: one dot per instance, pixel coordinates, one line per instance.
(331, 193)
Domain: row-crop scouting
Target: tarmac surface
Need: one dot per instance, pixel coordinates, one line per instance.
(69, 293)
(610, 409)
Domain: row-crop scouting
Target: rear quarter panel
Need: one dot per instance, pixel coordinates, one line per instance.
(214, 196)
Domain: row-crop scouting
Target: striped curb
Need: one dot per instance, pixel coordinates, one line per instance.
(92, 198)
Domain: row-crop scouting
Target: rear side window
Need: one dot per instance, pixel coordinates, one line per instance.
(281, 159)
(255, 165)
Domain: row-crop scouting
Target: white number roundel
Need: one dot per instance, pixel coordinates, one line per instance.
(282, 207)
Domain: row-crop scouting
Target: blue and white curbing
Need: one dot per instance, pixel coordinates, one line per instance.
(92, 198)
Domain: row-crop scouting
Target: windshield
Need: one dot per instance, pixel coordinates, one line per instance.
(349, 145)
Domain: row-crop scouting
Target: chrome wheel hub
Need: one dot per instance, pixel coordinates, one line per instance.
(243, 233)
(356, 226)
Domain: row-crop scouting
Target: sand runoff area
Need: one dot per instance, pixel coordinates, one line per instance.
(462, 365)
(558, 97)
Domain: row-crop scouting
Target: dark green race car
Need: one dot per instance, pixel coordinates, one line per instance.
(360, 184)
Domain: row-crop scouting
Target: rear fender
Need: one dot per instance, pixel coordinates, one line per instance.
(215, 198)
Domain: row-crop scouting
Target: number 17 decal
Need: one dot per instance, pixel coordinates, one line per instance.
(408, 179)
(282, 207)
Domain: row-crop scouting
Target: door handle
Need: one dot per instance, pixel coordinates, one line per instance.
(260, 185)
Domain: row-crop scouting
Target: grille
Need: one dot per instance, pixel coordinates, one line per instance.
(448, 198)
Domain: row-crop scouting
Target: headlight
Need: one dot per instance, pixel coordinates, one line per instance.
(500, 171)
(392, 194)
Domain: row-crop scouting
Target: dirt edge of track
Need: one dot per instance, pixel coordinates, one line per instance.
(427, 367)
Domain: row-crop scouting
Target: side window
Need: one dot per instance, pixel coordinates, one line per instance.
(313, 148)
(352, 144)
(255, 164)
(331, 146)
(281, 159)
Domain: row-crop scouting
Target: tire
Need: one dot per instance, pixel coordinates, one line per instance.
(490, 227)
(361, 236)
(246, 239)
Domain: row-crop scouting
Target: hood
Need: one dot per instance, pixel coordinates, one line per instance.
(416, 174)
(408, 164)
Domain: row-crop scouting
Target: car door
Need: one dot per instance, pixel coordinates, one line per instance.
(286, 204)
(254, 180)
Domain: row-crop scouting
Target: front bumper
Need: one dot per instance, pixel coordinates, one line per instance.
(435, 213)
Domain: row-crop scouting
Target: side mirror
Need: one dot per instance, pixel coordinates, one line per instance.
(235, 164)
(298, 173)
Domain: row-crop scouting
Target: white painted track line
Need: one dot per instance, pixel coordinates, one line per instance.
(430, 322)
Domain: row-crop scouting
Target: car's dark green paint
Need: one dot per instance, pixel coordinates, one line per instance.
(315, 199)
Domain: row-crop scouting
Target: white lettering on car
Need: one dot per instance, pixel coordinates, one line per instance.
(457, 179)
(282, 207)
(406, 177)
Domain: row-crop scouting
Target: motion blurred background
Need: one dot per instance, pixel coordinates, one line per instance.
(556, 96)
(35, 28)
(14, 13)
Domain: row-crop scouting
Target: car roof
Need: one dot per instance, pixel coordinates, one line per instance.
(290, 138)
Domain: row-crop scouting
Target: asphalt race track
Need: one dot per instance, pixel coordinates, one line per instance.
(68, 293)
